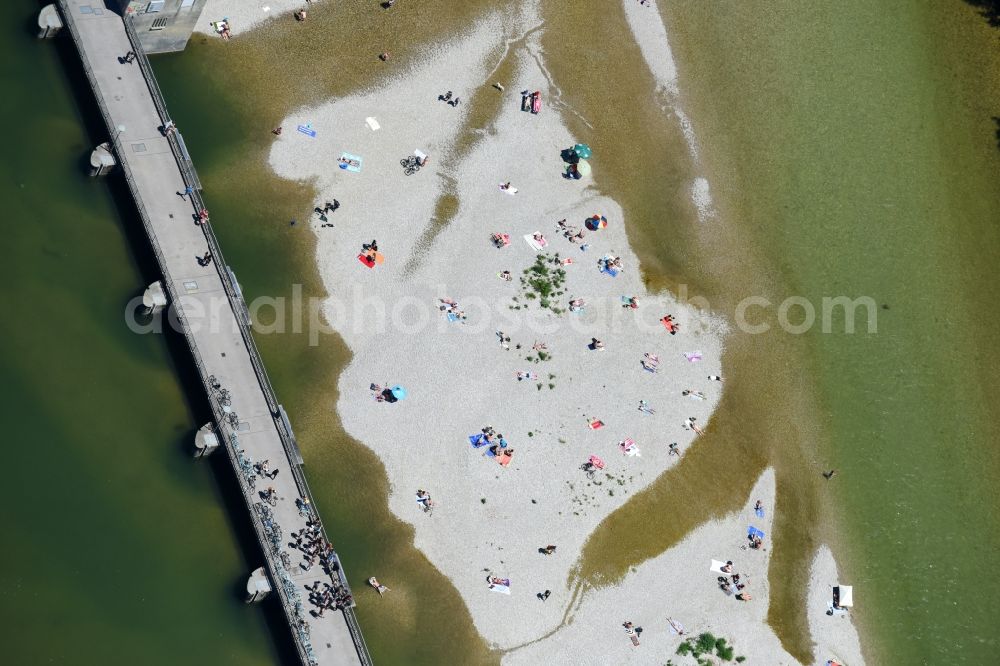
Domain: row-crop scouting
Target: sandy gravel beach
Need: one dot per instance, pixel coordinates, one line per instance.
(244, 15)
(460, 376)
(677, 586)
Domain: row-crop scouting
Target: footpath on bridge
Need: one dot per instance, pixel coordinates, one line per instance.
(206, 299)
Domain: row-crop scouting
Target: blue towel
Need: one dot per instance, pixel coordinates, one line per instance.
(609, 271)
(759, 512)
(754, 532)
(356, 158)
(452, 316)
(477, 440)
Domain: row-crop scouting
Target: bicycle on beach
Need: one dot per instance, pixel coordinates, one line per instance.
(410, 165)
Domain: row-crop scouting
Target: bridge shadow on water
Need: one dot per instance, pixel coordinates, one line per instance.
(226, 488)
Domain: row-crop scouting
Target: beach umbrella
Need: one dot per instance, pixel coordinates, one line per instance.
(398, 392)
(583, 167)
(582, 149)
(596, 222)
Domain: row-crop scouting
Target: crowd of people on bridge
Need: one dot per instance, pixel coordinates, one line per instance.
(310, 542)
(326, 597)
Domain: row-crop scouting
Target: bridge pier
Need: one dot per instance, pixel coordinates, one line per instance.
(258, 586)
(102, 160)
(49, 22)
(154, 298)
(206, 441)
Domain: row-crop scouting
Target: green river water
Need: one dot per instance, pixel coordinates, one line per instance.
(851, 150)
(117, 548)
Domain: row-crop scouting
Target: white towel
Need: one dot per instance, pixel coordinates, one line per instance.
(530, 240)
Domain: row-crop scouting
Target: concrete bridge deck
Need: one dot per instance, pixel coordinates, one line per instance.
(215, 322)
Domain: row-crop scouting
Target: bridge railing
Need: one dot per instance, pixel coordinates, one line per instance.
(240, 311)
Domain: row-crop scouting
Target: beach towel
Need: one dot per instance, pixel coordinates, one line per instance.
(596, 462)
(307, 130)
(530, 240)
(567, 261)
(372, 123)
(354, 162)
(510, 190)
(693, 356)
(478, 441)
(717, 567)
(504, 459)
(452, 316)
(502, 589)
(607, 270)
(596, 424)
(367, 260)
(628, 447)
(676, 627)
(759, 512)
(754, 532)
(220, 26)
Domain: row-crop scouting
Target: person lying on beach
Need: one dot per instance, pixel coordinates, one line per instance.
(524, 374)
(727, 567)
(596, 344)
(696, 395)
(758, 506)
(505, 275)
(672, 449)
(690, 423)
(631, 302)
